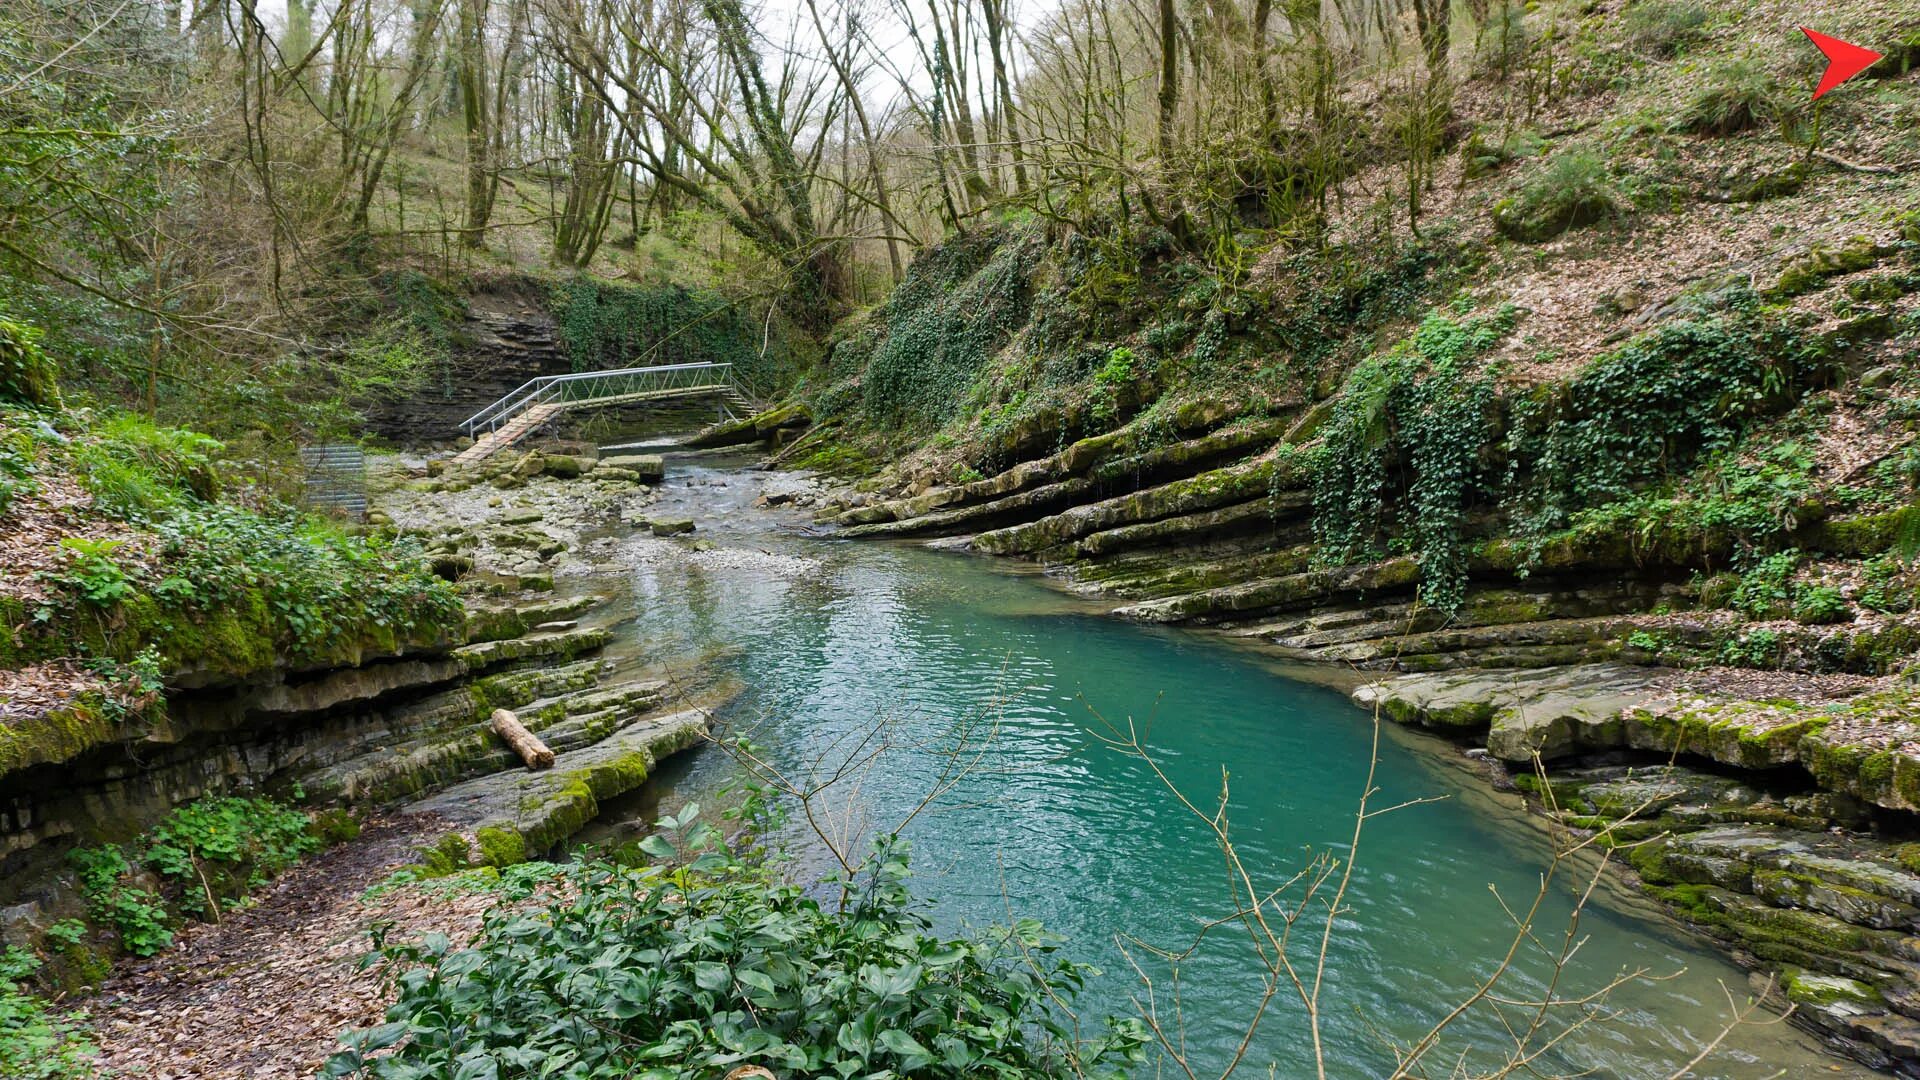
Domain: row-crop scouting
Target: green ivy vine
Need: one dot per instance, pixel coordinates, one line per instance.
(1410, 420)
(1653, 409)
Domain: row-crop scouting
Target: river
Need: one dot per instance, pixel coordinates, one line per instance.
(1053, 822)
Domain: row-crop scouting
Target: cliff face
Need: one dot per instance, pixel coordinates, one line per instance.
(505, 339)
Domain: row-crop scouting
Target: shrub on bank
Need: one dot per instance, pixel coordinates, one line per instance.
(206, 584)
(199, 861)
(693, 970)
(1572, 191)
(37, 1043)
(1738, 96)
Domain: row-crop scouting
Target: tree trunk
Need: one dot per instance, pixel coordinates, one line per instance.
(1432, 18)
(524, 742)
(997, 46)
(1169, 76)
(474, 104)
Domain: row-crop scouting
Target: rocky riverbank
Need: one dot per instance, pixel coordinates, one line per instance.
(405, 728)
(1758, 769)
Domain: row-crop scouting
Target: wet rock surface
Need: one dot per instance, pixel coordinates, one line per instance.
(1796, 885)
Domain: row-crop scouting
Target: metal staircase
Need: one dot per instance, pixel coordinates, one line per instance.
(535, 403)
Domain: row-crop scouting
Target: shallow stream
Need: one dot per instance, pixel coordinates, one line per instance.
(1054, 823)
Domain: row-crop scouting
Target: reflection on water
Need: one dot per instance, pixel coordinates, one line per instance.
(1057, 825)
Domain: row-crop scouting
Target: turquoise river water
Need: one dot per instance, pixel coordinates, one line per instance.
(1054, 823)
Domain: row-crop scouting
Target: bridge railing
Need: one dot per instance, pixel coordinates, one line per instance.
(596, 386)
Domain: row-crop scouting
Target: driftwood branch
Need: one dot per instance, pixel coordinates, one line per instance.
(1863, 167)
(524, 742)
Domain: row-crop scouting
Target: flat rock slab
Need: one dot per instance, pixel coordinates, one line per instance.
(517, 814)
(647, 467)
(1552, 711)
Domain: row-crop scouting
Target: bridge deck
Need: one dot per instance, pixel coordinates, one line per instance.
(536, 403)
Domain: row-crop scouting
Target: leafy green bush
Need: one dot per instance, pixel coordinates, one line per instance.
(92, 572)
(1646, 640)
(1114, 375)
(1572, 191)
(35, 1042)
(217, 850)
(1757, 648)
(177, 458)
(321, 586)
(1766, 589)
(1888, 586)
(136, 470)
(1820, 605)
(1738, 96)
(26, 375)
(1412, 420)
(208, 854)
(136, 913)
(1484, 156)
(668, 972)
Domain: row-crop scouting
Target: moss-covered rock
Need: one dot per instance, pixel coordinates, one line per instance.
(64, 732)
(518, 814)
(648, 468)
(726, 433)
(1219, 487)
(1313, 586)
(1754, 735)
(1808, 271)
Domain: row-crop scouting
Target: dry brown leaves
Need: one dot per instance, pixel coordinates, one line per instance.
(266, 993)
(32, 529)
(31, 691)
(56, 508)
(1751, 685)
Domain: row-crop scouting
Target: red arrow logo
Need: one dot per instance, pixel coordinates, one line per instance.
(1844, 60)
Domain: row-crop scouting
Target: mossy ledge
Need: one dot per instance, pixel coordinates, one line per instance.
(515, 815)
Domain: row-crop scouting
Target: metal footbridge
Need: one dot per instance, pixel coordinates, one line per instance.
(537, 402)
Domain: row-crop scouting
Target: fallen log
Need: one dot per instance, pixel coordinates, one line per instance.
(524, 742)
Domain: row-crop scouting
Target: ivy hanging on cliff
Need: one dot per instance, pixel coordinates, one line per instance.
(604, 325)
(959, 305)
(1401, 459)
(1654, 408)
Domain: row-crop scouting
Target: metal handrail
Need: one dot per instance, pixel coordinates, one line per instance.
(547, 387)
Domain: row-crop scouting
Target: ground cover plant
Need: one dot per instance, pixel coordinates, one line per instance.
(703, 962)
